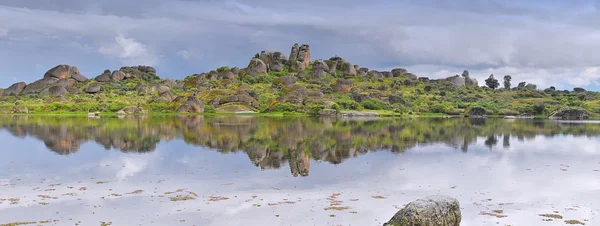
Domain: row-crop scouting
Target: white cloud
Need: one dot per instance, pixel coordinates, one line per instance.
(129, 51)
(589, 75)
(184, 54)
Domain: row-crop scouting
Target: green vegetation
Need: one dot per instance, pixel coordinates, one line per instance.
(305, 92)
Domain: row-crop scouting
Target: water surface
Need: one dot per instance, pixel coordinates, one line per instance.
(227, 170)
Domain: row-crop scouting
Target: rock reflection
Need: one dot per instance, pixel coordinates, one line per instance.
(271, 142)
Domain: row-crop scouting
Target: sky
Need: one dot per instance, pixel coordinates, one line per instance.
(548, 43)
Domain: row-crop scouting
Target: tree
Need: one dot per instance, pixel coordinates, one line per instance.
(521, 85)
(507, 79)
(492, 82)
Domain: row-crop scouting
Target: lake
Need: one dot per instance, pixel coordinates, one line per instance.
(245, 170)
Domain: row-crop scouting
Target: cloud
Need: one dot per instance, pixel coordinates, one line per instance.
(129, 51)
(3, 32)
(589, 75)
(528, 39)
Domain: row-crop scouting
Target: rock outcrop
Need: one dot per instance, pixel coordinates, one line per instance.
(570, 114)
(14, 89)
(39, 85)
(62, 72)
(476, 112)
(338, 64)
(191, 105)
(117, 76)
(132, 110)
(104, 77)
(273, 59)
(256, 67)
(300, 56)
(431, 211)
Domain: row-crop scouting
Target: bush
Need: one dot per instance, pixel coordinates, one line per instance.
(314, 109)
(375, 104)
(284, 107)
(157, 107)
(440, 108)
(349, 105)
(209, 109)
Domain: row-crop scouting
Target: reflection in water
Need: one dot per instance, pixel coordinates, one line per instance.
(270, 142)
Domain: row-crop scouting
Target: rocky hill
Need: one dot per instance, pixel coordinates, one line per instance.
(274, 82)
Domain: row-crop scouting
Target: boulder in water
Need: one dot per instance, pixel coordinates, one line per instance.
(434, 210)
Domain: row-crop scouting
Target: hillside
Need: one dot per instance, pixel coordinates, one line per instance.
(274, 82)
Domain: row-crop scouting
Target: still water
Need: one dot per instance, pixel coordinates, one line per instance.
(228, 170)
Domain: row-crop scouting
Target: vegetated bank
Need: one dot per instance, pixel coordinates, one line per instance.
(275, 83)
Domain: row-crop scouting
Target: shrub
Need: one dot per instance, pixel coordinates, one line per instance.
(283, 107)
(209, 109)
(375, 104)
(314, 109)
(349, 105)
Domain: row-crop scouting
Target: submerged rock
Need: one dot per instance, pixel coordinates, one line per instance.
(570, 114)
(434, 210)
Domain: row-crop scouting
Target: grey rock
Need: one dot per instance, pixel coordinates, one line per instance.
(477, 112)
(457, 80)
(104, 77)
(227, 75)
(66, 82)
(374, 74)
(272, 56)
(61, 72)
(192, 105)
(20, 109)
(294, 53)
(397, 72)
(39, 85)
(327, 112)
(431, 211)
(387, 74)
(56, 91)
(276, 66)
(256, 67)
(286, 80)
(570, 114)
(318, 74)
(411, 76)
(169, 83)
(14, 89)
(320, 65)
(93, 88)
(117, 76)
(79, 77)
(342, 85)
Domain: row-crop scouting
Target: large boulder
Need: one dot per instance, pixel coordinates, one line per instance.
(570, 114)
(476, 112)
(457, 80)
(117, 76)
(374, 74)
(256, 67)
(342, 85)
(294, 53)
(14, 89)
(320, 65)
(431, 211)
(79, 77)
(286, 80)
(227, 75)
(104, 77)
(269, 57)
(411, 76)
(192, 105)
(56, 91)
(39, 85)
(61, 72)
(169, 83)
(276, 66)
(318, 74)
(340, 64)
(387, 74)
(93, 88)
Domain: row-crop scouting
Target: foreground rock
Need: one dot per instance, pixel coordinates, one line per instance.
(431, 211)
(570, 114)
(477, 112)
